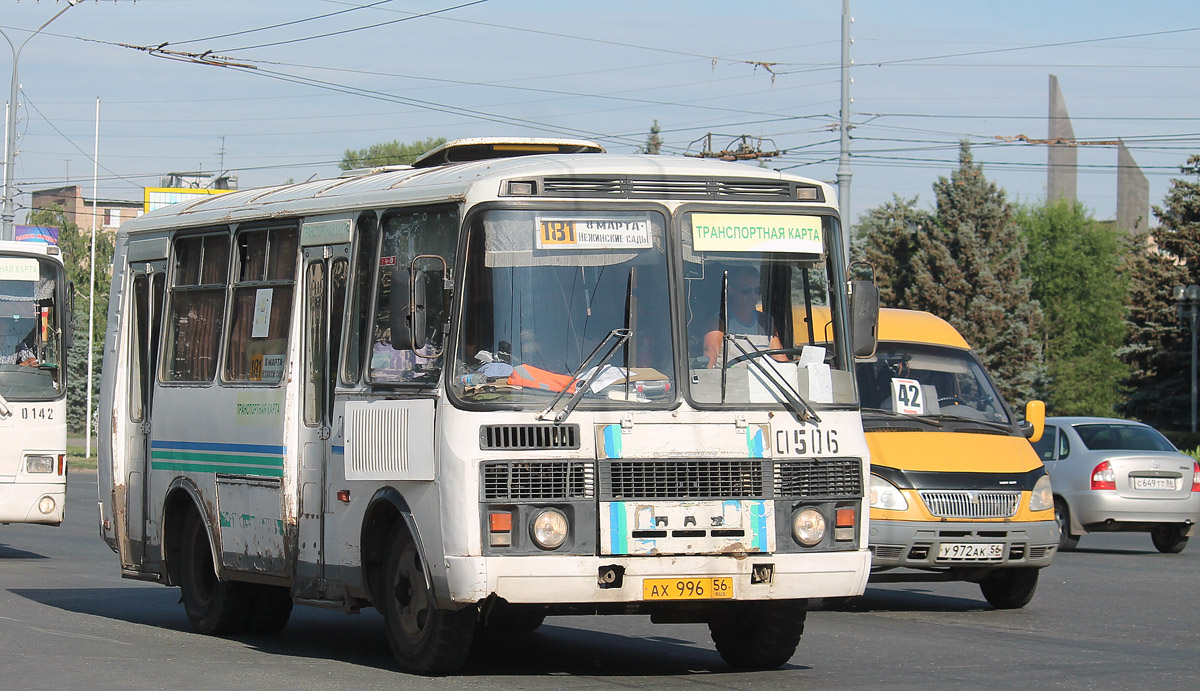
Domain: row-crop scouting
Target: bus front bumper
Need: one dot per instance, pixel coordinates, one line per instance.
(577, 579)
(24, 502)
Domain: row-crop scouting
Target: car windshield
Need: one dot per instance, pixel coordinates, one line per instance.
(30, 338)
(1108, 436)
(543, 290)
(917, 379)
(759, 315)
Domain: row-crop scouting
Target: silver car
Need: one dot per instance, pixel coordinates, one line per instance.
(1116, 475)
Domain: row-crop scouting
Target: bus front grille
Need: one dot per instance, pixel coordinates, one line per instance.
(528, 437)
(819, 477)
(538, 480)
(622, 480)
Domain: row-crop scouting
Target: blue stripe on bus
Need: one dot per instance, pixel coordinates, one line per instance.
(338, 450)
(617, 528)
(758, 513)
(219, 447)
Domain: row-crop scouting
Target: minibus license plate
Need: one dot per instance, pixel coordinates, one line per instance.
(968, 550)
(1153, 483)
(709, 588)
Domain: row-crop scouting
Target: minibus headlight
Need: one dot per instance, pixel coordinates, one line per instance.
(39, 464)
(549, 529)
(884, 495)
(808, 526)
(1042, 498)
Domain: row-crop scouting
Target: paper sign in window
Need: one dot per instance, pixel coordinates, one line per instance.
(907, 397)
(262, 313)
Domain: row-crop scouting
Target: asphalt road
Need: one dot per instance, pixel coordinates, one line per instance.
(1114, 615)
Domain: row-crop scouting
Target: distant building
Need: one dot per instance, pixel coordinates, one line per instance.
(200, 180)
(110, 213)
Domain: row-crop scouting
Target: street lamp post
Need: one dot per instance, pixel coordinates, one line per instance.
(1187, 306)
(8, 216)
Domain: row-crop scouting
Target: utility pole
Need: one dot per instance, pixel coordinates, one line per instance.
(843, 171)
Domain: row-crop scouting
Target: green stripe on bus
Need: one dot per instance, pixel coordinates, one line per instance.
(219, 457)
(216, 468)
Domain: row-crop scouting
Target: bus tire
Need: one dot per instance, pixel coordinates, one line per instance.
(1009, 588)
(213, 606)
(424, 638)
(270, 608)
(759, 635)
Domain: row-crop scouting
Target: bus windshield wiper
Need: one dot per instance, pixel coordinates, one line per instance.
(618, 337)
(5, 411)
(800, 407)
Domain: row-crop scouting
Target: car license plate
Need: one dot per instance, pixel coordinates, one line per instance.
(708, 588)
(1154, 483)
(975, 551)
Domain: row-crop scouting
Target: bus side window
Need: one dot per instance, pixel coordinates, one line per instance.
(366, 240)
(262, 305)
(406, 234)
(198, 282)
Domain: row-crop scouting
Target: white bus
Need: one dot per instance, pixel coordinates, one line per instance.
(484, 389)
(33, 397)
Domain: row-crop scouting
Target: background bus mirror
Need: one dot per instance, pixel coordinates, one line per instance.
(400, 308)
(1035, 421)
(864, 318)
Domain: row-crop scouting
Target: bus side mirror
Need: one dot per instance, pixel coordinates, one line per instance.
(400, 307)
(1035, 421)
(864, 318)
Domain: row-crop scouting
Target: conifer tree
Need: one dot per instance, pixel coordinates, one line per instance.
(887, 239)
(653, 140)
(1157, 347)
(967, 269)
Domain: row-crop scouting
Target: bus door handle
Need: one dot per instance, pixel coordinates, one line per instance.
(145, 428)
(323, 433)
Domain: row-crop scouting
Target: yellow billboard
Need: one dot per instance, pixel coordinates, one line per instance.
(158, 197)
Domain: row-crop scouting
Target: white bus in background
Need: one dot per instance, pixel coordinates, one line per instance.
(34, 313)
(487, 388)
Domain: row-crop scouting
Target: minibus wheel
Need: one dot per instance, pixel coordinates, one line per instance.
(761, 634)
(1009, 588)
(213, 606)
(424, 638)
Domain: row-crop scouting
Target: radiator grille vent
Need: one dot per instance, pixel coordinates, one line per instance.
(971, 503)
(684, 479)
(528, 437)
(670, 188)
(823, 477)
(538, 480)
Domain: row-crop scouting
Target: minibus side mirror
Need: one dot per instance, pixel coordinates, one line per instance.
(864, 317)
(1035, 421)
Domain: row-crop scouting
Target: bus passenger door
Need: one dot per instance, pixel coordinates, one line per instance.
(149, 287)
(326, 269)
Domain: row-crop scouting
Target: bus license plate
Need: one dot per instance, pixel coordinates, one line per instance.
(972, 551)
(710, 588)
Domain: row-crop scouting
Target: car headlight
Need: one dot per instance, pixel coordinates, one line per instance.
(808, 526)
(39, 464)
(1042, 498)
(884, 495)
(549, 529)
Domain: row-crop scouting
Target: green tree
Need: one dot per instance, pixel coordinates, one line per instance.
(1157, 347)
(653, 140)
(887, 239)
(1075, 265)
(963, 264)
(388, 153)
(76, 251)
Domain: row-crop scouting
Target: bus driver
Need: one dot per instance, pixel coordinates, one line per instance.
(743, 316)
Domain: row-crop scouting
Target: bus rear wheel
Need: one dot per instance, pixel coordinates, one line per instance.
(759, 635)
(213, 606)
(424, 638)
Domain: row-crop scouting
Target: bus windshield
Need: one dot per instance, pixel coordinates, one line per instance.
(544, 289)
(928, 380)
(30, 339)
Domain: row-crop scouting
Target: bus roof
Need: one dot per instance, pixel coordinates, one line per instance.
(911, 326)
(607, 177)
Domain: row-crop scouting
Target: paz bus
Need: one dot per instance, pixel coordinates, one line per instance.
(34, 295)
(484, 389)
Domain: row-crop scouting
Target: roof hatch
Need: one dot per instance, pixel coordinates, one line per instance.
(478, 149)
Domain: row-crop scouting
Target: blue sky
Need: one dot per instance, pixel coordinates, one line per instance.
(926, 75)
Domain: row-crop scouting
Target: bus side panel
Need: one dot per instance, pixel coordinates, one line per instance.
(112, 426)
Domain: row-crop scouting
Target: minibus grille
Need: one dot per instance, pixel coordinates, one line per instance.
(623, 480)
(971, 503)
(669, 188)
(538, 480)
(823, 477)
(528, 437)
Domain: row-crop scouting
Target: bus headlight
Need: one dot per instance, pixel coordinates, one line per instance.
(808, 526)
(884, 495)
(1042, 498)
(46, 505)
(39, 464)
(549, 528)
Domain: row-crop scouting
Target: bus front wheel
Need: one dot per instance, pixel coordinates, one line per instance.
(759, 635)
(424, 638)
(213, 606)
